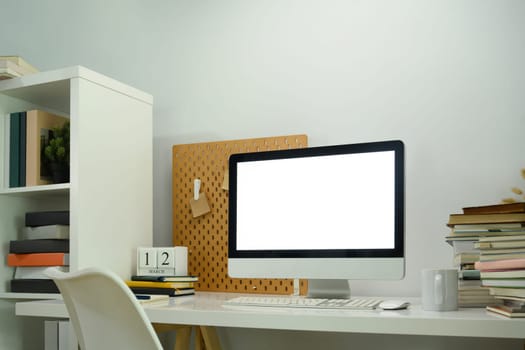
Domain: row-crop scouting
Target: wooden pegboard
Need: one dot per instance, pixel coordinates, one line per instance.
(207, 236)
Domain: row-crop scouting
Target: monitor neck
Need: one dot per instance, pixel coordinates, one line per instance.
(328, 288)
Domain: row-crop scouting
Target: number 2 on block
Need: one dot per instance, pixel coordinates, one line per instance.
(166, 258)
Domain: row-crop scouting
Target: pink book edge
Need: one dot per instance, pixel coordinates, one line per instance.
(510, 264)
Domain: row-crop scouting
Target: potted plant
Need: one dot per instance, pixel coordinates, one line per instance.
(56, 153)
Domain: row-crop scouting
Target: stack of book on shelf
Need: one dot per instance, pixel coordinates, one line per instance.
(467, 229)
(164, 285)
(14, 66)
(43, 243)
(29, 133)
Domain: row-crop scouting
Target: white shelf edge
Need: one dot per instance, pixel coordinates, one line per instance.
(37, 190)
(30, 296)
(72, 72)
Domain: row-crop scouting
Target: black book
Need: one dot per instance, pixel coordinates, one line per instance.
(43, 218)
(172, 292)
(39, 246)
(151, 278)
(33, 286)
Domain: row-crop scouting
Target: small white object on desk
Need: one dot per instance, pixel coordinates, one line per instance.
(393, 304)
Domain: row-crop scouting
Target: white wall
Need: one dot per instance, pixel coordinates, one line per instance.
(445, 76)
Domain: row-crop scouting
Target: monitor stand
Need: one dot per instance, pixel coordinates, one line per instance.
(327, 288)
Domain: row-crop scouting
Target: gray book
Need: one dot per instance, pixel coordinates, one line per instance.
(35, 272)
(45, 232)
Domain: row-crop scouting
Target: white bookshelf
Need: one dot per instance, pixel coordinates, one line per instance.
(110, 191)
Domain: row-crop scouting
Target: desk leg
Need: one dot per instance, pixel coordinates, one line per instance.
(206, 337)
(199, 340)
(182, 334)
(211, 339)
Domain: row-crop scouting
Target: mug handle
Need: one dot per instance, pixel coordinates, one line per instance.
(439, 298)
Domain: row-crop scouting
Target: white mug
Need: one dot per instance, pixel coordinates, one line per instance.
(439, 289)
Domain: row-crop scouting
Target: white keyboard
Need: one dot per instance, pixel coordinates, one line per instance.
(301, 302)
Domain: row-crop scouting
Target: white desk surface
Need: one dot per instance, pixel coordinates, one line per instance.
(207, 309)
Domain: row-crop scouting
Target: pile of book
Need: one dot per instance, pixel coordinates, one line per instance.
(14, 66)
(502, 262)
(162, 285)
(43, 243)
(29, 132)
(496, 241)
(470, 291)
(467, 229)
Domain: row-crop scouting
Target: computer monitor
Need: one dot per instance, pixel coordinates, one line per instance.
(327, 214)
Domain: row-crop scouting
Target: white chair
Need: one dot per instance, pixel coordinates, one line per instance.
(104, 312)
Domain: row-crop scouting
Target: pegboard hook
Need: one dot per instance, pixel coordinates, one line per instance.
(196, 188)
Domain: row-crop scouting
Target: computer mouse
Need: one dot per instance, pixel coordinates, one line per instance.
(393, 304)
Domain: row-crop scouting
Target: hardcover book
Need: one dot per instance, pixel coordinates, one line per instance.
(500, 264)
(147, 284)
(501, 282)
(14, 150)
(165, 278)
(35, 272)
(14, 66)
(23, 150)
(462, 219)
(39, 246)
(33, 286)
(518, 207)
(500, 309)
(507, 292)
(503, 274)
(172, 292)
(26, 67)
(45, 218)
(45, 232)
(38, 259)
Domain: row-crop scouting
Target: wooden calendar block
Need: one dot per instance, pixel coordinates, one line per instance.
(162, 261)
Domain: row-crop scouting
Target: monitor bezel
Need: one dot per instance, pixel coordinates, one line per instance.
(397, 251)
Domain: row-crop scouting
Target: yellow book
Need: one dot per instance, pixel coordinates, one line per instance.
(151, 284)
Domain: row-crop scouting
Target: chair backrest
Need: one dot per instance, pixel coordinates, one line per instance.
(104, 312)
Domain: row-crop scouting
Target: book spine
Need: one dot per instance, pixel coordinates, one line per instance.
(45, 232)
(165, 278)
(33, 286)
(500, 264)
(14, 150)
(39, 246)
(22, 146)
(157, 284)
(35, 272)
(45, 218)
(38, 259)
(154, 291)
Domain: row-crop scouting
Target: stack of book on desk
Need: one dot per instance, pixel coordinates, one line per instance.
(505, 280)
(467, 229)
(44, 242)
(164, 285)
(502, 265)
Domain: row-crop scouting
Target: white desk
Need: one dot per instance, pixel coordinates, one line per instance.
(207, 309)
